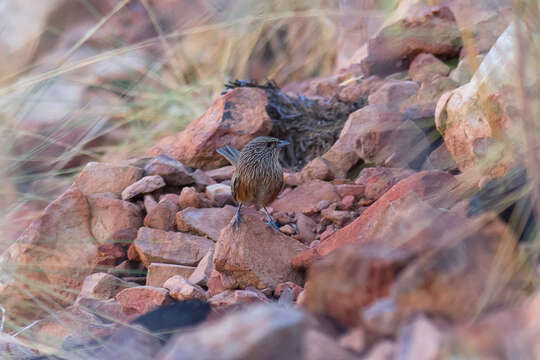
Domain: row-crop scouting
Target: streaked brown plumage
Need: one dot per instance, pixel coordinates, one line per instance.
(258, 176)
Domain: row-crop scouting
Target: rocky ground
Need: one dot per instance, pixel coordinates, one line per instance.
(379, 255)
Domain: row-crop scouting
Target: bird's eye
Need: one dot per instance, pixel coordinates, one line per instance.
(269, 145)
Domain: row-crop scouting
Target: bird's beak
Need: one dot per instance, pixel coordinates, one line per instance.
(283, 143)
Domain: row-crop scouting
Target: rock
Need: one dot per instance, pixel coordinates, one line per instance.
(256, 255)
(111, 254)
(102, 286)
(233, 119)
(163, 215)
(425, 67)
(491, 145)
(433, 187)
(222, 173)
(189, 197)
(413, 28)
(110, 215)
(202, 180)
(338, 217)
(393, 93)
(170, 247)
(347, 203)
(171, 170)
(440, 159)
(323, 87)
(383, 350)
(142, 299)
(11, 349)
(149, 202)
(158, 273)
(354, 339)
(488, 336)
(420, 339)
(319, 346)
(420, 108)
(202, 272)
(56, 252)
(355, 190)
(287, 230)
(382, 317)
(465, 69)
(316, 169)
(205, 222)
(217, 283)
(306, 196)
(296, 289)
(305, 226)
(219, 194)
(237, 297)
(477, 259)
(145, 185)
(102, 178)
(378, 180)
(181, 289)
(273, 331)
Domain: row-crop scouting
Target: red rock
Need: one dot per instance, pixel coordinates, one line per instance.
(440, 159)
(163, 215)
(256, 255)
(142, 299)
(158, 273)
(102, 286)
(305, 197)
(171, 170)
(465, 69)
(356, 190)
(393, 93)
(316, 169)
(149, 202)
(102, 177)
(219, 194)
(202, 180)
(425, 67)
(420, 108)
(221, 174)
(56, 252)
(287, 230)
(319, 346)
(189, 197)
(233, 119)
(181, 289)
(145, 185)
(170, 247)
(434, 187)
(327, 232)
(378, 180)
(354, 339)
(420, 339)
(324, 87)
(236, 297)
(296, 289)
(347, 202)
(305, 226)
(215, 283)
(205, 222)
(338, 217)
(477, 258)
(111, 254)
(383, 350)
(110, 215)
(414, 28)
(202, 272)
(360, 89)
(381, 317)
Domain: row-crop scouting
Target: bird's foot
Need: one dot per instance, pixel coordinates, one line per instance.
(273, 224)
(238, 218)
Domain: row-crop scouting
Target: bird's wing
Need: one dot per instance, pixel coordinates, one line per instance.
(229, 153)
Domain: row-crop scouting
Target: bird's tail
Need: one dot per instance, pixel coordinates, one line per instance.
(229, 153)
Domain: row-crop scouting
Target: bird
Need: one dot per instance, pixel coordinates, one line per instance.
(258, 176)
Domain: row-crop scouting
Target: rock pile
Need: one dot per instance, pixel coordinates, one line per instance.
(376, 257)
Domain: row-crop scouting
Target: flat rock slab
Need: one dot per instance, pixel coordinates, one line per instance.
(206, 222)
(170, 247)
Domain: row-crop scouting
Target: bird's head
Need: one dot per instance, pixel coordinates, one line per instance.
(265, 147)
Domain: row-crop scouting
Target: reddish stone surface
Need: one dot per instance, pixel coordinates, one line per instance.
(306, 196)
(233, 119)
(142, 299)
(431, 186)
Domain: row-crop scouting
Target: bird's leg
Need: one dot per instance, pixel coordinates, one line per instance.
(271, 222)
(237, 216)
